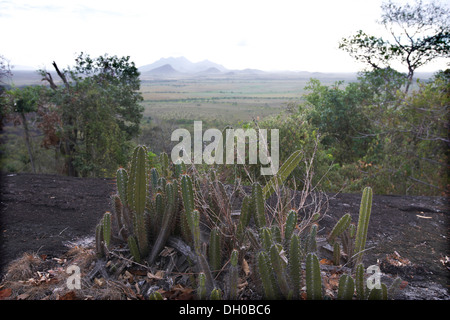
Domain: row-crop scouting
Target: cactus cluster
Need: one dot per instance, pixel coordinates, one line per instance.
(353, 239)
(146, 207)
(152, 204)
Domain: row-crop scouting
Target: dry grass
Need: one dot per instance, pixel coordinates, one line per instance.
(33, 277)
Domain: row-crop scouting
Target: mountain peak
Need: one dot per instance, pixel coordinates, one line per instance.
(182, 64)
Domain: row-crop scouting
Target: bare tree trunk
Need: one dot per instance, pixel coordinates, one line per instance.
(28, 140)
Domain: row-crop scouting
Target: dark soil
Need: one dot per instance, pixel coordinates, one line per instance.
(408, 235)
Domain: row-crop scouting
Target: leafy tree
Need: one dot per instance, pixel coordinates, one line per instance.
(5, 73)
(95, 113)
(337, 113)
(19, 104)
(420, 33)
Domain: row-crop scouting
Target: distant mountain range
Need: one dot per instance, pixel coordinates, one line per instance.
(182, 65)
(182, 68)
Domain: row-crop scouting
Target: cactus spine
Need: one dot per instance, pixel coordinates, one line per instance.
(363, 224)
(313, 278)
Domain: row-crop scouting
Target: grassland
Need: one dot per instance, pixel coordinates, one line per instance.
(226, 101)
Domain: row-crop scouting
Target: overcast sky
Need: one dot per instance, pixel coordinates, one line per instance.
(267, 35)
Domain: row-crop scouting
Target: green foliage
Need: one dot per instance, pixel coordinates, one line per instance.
(155, 296)
(338, 115)
(96, 113)
(420, 33)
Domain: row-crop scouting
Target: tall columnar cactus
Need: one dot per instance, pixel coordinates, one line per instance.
(291, 223)
(265, 272)
(285, 170)
(233, 276)
(266, 238)
(346, 288)
(363, 224)
(258, 202)
(279, 266)
(122, 185)
(137, 196)
(194, 224)
(313, 278)
(216, 294)
(336, 254)
(169, 206)
(215, 251)
(164, 160)
(311, 243)
(340, 227)
(295, 264)
(359, 282)
(187, 192)
(201, 288)
(106, 220)
(133, 246)
(244, 218)
(99, 244)
(137, 181)
(154, 177)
